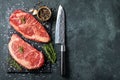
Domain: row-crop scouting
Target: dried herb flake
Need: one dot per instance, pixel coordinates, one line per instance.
(23, 20)
(21, 50)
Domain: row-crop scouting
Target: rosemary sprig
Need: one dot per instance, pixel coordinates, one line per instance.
(50, 52)
(14, 64)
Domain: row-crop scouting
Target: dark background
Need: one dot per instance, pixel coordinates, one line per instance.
(93, 39)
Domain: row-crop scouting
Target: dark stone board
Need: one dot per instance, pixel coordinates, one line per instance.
(92, 39)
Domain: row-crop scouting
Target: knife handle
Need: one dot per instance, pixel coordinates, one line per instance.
(63, 60)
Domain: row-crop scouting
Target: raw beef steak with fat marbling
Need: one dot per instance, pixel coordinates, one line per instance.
(24, 53)
(28, 26)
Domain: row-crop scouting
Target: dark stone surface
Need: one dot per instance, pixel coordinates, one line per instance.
(93, 37)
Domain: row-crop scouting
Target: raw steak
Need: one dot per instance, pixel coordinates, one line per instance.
(28, 26)
(24, 53)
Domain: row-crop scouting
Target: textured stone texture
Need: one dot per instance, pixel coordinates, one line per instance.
(93, 37)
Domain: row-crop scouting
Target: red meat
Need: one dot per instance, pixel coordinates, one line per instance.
(24, 53)
(28, 26)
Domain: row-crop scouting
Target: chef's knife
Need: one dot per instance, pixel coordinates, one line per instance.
(60, 36)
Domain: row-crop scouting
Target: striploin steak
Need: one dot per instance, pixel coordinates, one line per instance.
(28, 26)
(24, 53)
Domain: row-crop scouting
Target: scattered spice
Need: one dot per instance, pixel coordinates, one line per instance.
(21, 50)
(38, 3)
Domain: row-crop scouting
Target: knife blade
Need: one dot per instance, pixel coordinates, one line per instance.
(60, 36)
